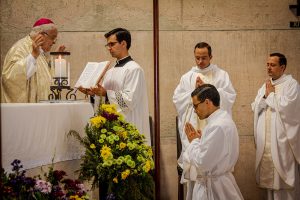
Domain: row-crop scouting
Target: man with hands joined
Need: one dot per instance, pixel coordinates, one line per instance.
(210, 158)
(277, 132)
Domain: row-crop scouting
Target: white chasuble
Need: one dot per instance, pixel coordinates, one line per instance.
(16, 87)
(182, 97)
(277, 135)
(126, 87)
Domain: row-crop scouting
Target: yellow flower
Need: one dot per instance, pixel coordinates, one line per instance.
(106, 152)
(125, 173)
(147, 166)
(110, 108)
(124, 134)
(92, 146)
(97, 121)
(150, 153)
(115, 180)
(122, 145)
(76, 197)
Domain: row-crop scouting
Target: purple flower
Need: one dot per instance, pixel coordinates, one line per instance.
(110, 117)
(59, 175)
(57, 192)
(16, 165)
(29, 182)
(111, 196)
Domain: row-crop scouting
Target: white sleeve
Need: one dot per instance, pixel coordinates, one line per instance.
(30, 66)
(227, 93)
(182, 95)
(207, 153)
(132, 90)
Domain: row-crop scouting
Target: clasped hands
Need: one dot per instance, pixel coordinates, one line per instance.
(199, 82)
(191, 133)
(269, 87)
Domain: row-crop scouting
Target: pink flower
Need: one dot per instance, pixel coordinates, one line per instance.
(43, 186)
(81, 188)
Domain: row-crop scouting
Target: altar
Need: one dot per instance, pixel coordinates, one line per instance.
(37, 133)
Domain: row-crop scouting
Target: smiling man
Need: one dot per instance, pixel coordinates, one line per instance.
(25, 74)
(277, 132)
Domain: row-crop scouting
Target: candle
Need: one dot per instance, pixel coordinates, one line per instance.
(60, 67)
(68, 74)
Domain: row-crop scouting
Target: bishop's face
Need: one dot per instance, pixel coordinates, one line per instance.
(202, 57)
(50, 37)
(275, 70)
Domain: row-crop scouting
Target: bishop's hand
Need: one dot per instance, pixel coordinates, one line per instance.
(61, 48)
(36, 45)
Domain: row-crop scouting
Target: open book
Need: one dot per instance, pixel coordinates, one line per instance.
(92, 74)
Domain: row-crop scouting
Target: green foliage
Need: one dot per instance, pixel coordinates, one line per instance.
(116, 155)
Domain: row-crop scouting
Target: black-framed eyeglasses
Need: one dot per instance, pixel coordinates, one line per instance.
(51, 37)
(110, 44)
(196, 105)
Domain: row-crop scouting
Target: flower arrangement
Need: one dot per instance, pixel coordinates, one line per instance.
(116, 157)
(16, 185)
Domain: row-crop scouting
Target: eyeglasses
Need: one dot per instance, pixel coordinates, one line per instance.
(195, 106)
(54, 39)
(110, 44)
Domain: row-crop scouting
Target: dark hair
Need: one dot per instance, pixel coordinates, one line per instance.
(201, 45)
(207, 91)
(121, 34)
(282, 58)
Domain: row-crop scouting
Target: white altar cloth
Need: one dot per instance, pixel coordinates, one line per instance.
(36, 133)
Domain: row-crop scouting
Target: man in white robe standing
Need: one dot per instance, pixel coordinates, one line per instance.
(125, 84)
(277, 132)
(203, 72)
(212, 152)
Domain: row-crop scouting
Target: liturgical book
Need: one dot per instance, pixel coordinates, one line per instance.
(92, 74)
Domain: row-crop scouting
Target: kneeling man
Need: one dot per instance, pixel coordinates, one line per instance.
(211, 155)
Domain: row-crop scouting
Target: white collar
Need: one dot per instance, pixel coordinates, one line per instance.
(213, 115)
(209, 68)
(280, 80)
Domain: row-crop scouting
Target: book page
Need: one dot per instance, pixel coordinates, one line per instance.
(91, 74)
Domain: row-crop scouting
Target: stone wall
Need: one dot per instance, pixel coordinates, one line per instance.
(241, 33)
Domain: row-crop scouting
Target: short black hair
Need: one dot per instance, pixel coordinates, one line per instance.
(121, 34)
(282, 58)
(207, 91)
(201, 45)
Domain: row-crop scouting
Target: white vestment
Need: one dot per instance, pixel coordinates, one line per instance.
(24, 79)
(126, 87)
(277, 137)
(213, 157)
(182, 97)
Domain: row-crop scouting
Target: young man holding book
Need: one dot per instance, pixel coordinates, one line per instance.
(124, 84)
